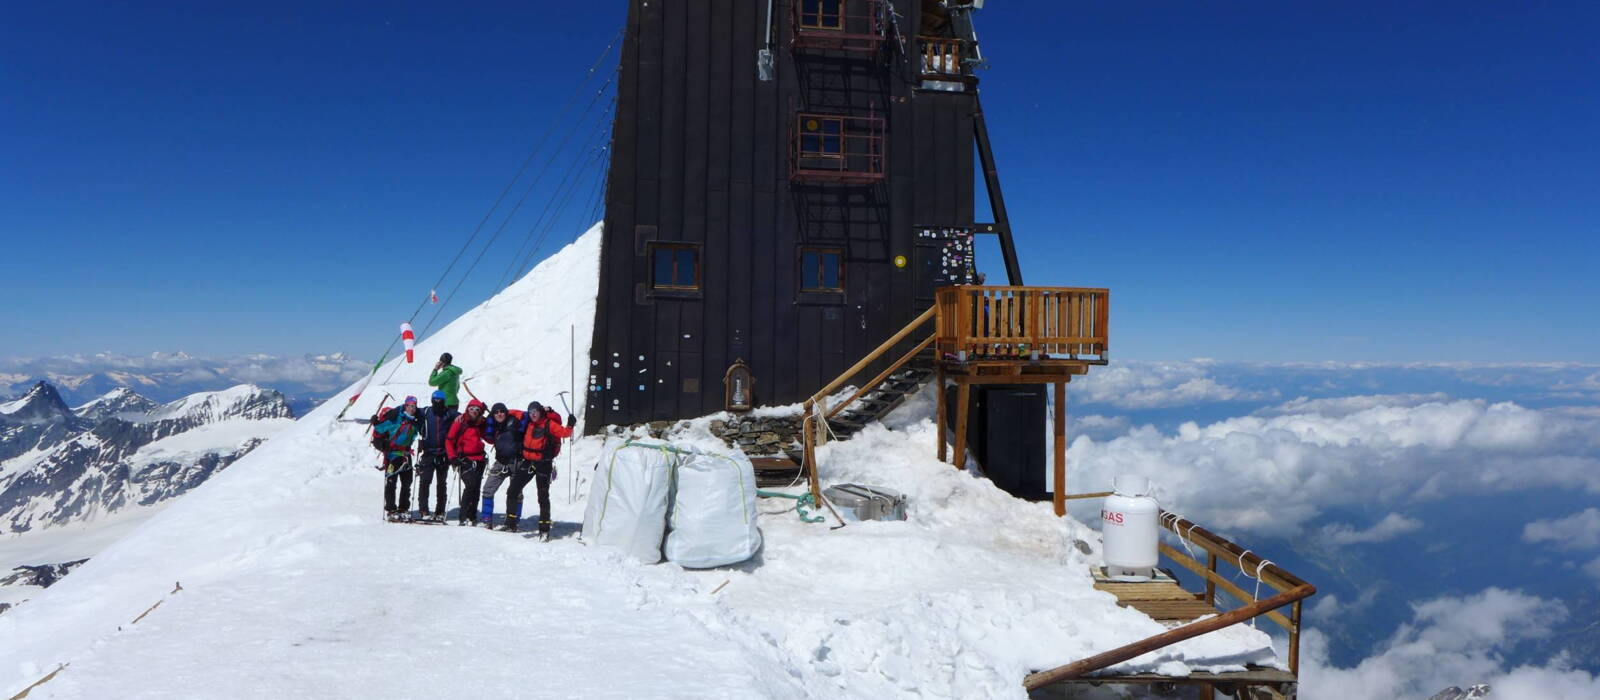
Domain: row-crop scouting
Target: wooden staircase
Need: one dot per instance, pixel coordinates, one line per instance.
(917, 373)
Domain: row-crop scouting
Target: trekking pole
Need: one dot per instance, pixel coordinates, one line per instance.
(469, 390)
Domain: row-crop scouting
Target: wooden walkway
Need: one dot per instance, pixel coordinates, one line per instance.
(1162, 598)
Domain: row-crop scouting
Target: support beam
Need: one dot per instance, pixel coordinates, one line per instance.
(1060, 475)
(997, 201)
(963, 392)
(940, 420)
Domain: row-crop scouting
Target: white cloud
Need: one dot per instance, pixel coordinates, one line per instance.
(1391, 526)
(1273, 474)
(183, 373)
(1453, 641)
(1580, 530)
(1140, 385)
(1593, 568)
(1329, 606)
(1346, 405)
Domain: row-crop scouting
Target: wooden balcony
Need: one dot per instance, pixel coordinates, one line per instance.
(1035, 325)
(837, 25)
(942, 59)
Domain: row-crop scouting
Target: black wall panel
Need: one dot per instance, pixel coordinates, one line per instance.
(700, 154)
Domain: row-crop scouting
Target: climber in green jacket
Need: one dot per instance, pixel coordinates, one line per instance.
(446, 377)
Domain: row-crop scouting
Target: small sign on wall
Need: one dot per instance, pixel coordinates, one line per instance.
(738, 388)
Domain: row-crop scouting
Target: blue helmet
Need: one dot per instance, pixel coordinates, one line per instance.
(438, 394)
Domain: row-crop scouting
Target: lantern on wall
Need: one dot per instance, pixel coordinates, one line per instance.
(738, 388)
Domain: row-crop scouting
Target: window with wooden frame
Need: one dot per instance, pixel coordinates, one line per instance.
(821, 137)
(675, 266)
(821, 270)
(821, 14)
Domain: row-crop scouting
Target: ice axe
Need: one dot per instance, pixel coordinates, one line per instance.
(563, 396)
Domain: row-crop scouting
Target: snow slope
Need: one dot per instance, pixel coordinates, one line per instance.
(293, 586)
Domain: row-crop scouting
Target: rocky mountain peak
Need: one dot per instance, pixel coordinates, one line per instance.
(120, 402)
(242, 401)
(42, 404)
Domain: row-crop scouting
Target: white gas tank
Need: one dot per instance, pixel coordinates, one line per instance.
(1129, 521)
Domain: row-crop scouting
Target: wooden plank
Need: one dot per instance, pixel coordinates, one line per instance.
(1183, 610)
(1149, 590)
(1254, 676)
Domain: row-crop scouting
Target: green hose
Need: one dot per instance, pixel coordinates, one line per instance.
(801, 501)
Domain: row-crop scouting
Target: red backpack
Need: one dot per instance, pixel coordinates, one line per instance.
(379, 441)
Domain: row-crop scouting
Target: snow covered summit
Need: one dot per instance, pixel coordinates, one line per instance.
(292, 585)
(41, 404)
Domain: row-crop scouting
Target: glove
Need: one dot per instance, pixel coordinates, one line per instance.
(571, 420)
(554, 473)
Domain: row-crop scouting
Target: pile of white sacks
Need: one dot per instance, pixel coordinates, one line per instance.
(651, 499)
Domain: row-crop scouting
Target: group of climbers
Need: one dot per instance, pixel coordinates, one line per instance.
(525, 447)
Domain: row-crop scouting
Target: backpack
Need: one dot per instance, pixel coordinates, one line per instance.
(533, 434)
(380, 441)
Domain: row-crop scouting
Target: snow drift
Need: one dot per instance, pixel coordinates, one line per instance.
(292, 585)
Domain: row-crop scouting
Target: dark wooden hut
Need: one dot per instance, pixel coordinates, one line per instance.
(789, 183)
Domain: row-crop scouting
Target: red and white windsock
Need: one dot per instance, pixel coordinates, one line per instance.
(410, 339)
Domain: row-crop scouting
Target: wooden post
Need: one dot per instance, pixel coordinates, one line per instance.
(963, 391)
(939, 420)
(1211, 586)
(1060, 474)
(1294, 639)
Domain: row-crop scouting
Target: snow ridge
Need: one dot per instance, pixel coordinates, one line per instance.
(285, 563)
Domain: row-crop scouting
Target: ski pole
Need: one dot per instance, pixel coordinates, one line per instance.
(572, 380)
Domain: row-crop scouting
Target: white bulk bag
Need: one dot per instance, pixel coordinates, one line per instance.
(627, 506)
(713, 516)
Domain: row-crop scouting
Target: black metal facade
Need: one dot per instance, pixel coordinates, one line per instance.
(702, 154)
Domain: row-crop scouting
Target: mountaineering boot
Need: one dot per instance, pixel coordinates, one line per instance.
(544, 531)
(511, 523)
(424, 515)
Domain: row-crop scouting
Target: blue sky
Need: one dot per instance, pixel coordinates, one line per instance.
(1255, 181)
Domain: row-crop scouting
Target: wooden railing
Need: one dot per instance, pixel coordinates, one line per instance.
(817, 411)
(1286, 588)
(941, 58)
(1023, 323)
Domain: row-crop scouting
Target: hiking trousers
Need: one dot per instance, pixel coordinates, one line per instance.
(401, 474)
(429, 468)
(471, 473)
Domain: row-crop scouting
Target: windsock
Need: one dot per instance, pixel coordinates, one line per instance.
(410, 339)
(433, 295)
